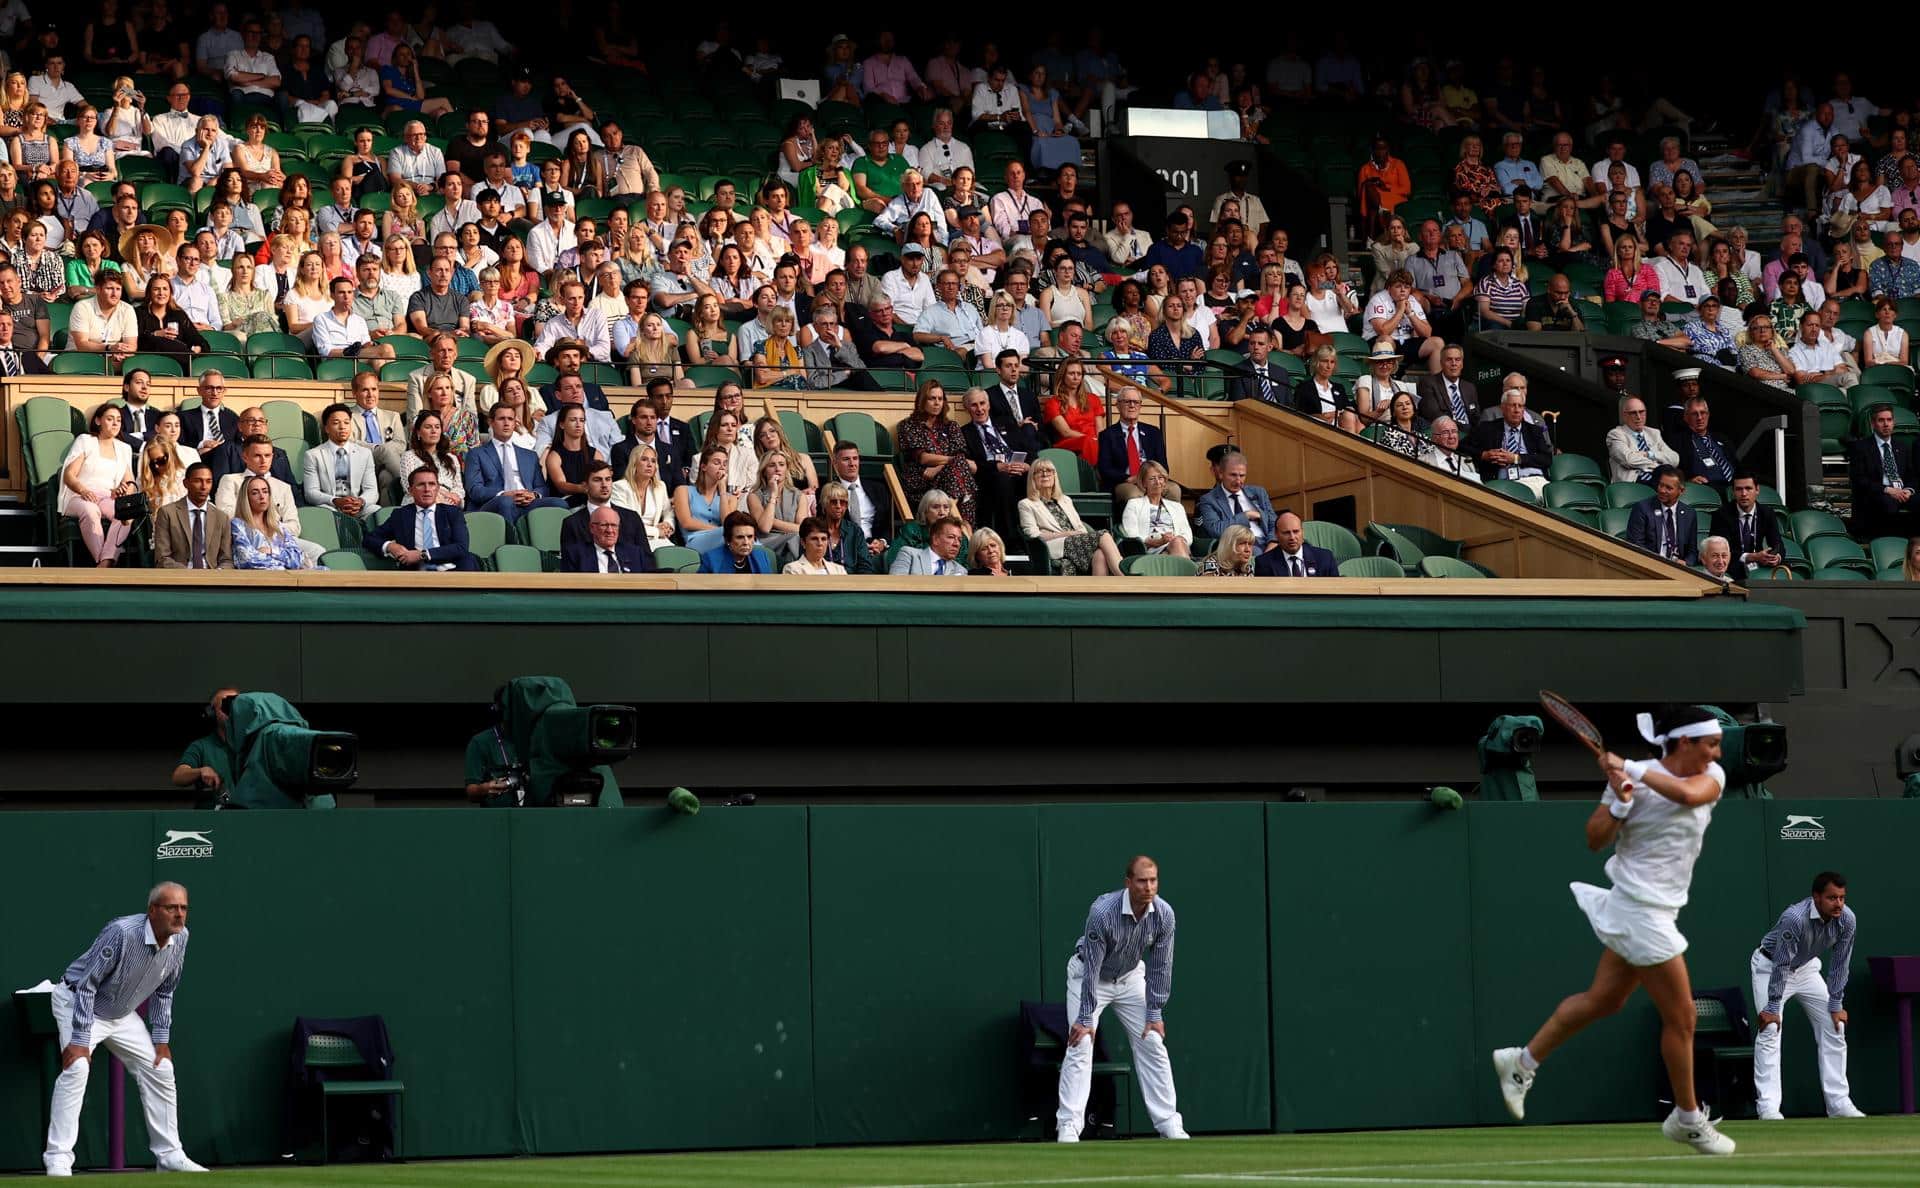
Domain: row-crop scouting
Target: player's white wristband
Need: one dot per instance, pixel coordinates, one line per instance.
(1636, 769)
(1620, 809)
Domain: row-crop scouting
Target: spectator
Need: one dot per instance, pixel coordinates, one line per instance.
(1449, 393)
(933, 453)
(190, 532)
(1177, 253)
(164, 329)
(948, 321)
(1373, 393)
(1232, 554)
(604, 550)
(1442, 451)
(777, 508)
(1880, 471)
(1663, 524)
(432, 443)
(1555, 309)
(1512, 447)
(105, 324)
(1709, 341)
(702, 507)
(1814, 360)
(1234, 501)
(1635, 449)
(1384, 185)
(98, 469)
(1654, 326)
(739, 555)
(1126, 245)
(1513, 170)
(1326, 399)
(1126, 445)
(1155, 517)
(1397, 315)
(260, 539)
(1502, 296)
(1751, 529)
(340, 472)
(1292, 556)
(261, 459)
(1893, 275)
(503, 476)
(436, 308)
(641, 492)
(427, 534)
(1705, 456)
(1885, 342)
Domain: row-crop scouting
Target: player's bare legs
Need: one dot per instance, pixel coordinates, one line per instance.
(1672, 992)
(1613, 983)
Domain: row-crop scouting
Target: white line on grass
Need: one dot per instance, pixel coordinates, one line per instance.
(1295, 1178)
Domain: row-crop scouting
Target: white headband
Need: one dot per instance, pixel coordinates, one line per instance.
(1706, 729)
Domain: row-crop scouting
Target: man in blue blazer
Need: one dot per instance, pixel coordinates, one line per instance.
(1114, 462)
(606, 552)
(1293, 556)
(738, 555)
(1665, 525)
(1234, 501)
(401, 538)
(487, 487)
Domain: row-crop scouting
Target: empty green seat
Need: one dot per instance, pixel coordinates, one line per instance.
(1810, 524)
(1577, 468)
(1447, 567)
(1159, 565)
(1569, 493)
(1513, 490)
(1371, 567)
(1838, 552)
(1627, 494)
(675, 559)
(1700, 497)
(1321, 534)
(516, 558)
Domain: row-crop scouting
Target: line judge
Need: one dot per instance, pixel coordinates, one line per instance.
(1123, 960)
(1787, 965)
(133, 959)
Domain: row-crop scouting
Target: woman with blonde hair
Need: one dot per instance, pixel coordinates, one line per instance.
(1154, 519)
(259, 542)
(777, 507)
(642, 492)
(14, 101)
(244, 308)
(512, 391)
(147, 251)
(125, 124)
(162, 475)
(397, 273)
(403, 220)
(770, 437)
(776, 362)
(307, 299)
(1232, 555)
(710, 343)
(1047, 515)
(1000, 333)
(460, 425)
(989, 555)
(654, 353)
(1910, 567)
(636, 259)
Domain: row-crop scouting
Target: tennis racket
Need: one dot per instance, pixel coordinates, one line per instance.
(1562, 711)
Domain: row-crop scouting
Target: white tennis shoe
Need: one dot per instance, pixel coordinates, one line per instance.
(1845, 1109)
(178, 1162)
(1514, 1080)
(1772, 1116)
(1702, 1136)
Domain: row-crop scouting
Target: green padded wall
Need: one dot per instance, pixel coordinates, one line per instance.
(926, 937)
(1213, 871)
(660, 974)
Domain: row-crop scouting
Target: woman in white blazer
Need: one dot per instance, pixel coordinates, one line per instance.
(642, 493)
(1153, 519)
(1047, 515)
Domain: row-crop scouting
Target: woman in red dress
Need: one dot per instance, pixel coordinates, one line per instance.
(1073, 412)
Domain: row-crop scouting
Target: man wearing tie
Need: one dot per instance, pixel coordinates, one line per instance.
(1235, 501)
(672, 440)
(1294, 557)
(425, 534)
(1126, 444)
(1512, 447)
(1263, 380)
(1448, 394)
(599, 485)
(1753, 530)
(210, 426)
(504, 478)
(941, 557)
(378, 429)
(1705, 457)
(1004, 399)
(1881, 469)
(1443, 451)
(1663, 524)
(192, 533)
(1635, 449)
(864, 503)
(1002, 481)
(1533, 231)
(605, 552)
(137, 418)
(644, 427)
(340, 471)
(14, 362)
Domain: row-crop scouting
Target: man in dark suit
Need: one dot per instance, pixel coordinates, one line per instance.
(425, 534)
(1005, 400)
(206, 427)
(137, 418)
(1449, 394)
(606, 552)
(227, 459)
(1751, 529)
(1533, 228)
(174, 538)
(16, 362)
(1001, 480)
(490, 486)
(672, 438)
(1512, 447)
(1665, 525)
(567, 357)
(643, 426)
(739, 554)
(1263, 379)
(1293, 556)
(1705, 456)
(1881, 469)
(599, 484)
(1125, 444)
(868, 503)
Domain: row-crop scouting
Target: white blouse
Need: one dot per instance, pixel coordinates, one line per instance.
(654, 509)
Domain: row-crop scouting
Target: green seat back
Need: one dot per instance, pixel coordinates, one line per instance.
(1809, 524)
(1371, 567)
(486, 532)
(1162, 565)
(1888, 551)
(1447, 567)
(1701, 497)
(344, 559)
(79, 363)
(1627, 494)
(326, 1050)
(1577, 468)
(1334, 538)
(228, 365)
(542, 527)
(153, 364)
(45, 414)
(1837, 574)
(1513, 490)
(675, 559)
(1569, 493)
(318, 526)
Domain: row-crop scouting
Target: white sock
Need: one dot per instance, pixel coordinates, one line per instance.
(1690, 1117)
(1527, 1061)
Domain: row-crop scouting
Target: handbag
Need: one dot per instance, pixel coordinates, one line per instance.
(131, 508)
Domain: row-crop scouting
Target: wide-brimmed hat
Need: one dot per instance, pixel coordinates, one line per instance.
(491, 363)
(565, 344)
(163, 238)
(1384, 353)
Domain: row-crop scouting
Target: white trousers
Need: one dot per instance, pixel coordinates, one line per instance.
(1810, 988)
(1151, 1065)
(127, 1038)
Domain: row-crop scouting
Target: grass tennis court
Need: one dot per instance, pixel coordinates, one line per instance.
(1792, 1154)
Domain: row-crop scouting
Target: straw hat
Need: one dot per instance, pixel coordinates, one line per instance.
(1383, 353)
(163, 237)
(492, 361)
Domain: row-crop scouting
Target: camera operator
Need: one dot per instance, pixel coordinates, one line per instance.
(495, 776)
(206, 765)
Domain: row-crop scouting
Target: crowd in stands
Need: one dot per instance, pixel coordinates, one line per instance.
(417, 202)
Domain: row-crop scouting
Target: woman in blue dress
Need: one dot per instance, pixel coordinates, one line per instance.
(1052, 146)
(259, 542)
(701, 507)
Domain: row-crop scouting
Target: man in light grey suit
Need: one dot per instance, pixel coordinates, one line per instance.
(340, 471)
(441, 354)
(1635, 449)
(941, 559)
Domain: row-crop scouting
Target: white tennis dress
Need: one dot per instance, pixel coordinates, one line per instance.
(1652, 870)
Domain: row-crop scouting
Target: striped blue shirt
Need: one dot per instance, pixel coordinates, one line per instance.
(1114, 945)
(1799, 937)
(121, 969)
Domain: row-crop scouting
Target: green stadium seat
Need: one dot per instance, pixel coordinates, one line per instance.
(541, 528)
(1613, 521)
(1577, 468)
(516, 558)
(1371, 567)
(1839, 575)
(341, 1058)
(156, 365)
(46, 414)
(708, 376)
(398, 370)
(1447, 567)
(345, 560)
(1513, 490)
(296, 450)
(486, 532)
(1570, 494)
(1887, 375)
(1768, 497)
(1835, 552)
(337, 371)
(230, 365)
(79, 363)
(318, 526)
(1862, 398)
(1809, 525)
(46, 453)
(267, 343)
(1393, 545)
(1158, 565)
(1627, 494)
(1888, 551)
(281, 367)
(1700, 497)
(676, 559)
(1334, 538)
(861, 429)
(1893, 573)
(287, 419)
(802, 434)
(1574, 515)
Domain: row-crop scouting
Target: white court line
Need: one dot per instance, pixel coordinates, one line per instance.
(1330, 1172)
(1432, 1183)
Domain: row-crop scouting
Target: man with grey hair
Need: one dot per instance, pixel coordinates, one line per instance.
(135, 959)
(1716, 556)
(1442, 451)
(414, 162)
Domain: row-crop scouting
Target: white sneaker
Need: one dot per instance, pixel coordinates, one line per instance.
(1514, 1080)
(1846, 1109)
(177, 1162)
(60, 1171)
(1771, 1116)
(1067, 1136)
(1702, 1136)
(1175, 1133)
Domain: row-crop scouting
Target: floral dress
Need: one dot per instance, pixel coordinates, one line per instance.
(917, 436)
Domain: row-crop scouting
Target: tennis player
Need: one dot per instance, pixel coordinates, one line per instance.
(1654, 813)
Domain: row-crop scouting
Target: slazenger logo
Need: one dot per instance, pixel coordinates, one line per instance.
(1800, 828)
(181, 843)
